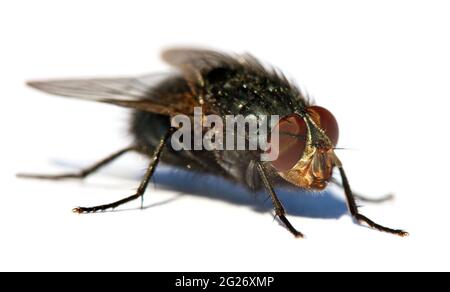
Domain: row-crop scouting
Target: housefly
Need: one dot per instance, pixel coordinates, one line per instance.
(220, 84)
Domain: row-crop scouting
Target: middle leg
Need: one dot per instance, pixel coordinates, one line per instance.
(143, 185)
(362, 198)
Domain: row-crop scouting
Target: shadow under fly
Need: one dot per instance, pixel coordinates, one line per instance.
(324, 205)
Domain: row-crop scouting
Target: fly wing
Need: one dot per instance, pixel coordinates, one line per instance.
(140, 93)
(194, 63)
(198, 59)
(202, 60)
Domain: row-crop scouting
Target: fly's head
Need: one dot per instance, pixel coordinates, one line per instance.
(306, 147)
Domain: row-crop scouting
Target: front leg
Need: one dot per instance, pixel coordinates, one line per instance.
(354, 209)
(277, 206)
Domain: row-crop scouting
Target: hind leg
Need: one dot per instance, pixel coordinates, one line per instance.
(83, 173)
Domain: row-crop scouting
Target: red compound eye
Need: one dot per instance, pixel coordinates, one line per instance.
(326, 121)
(292, 142)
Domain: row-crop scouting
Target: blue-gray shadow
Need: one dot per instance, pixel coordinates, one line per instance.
(297, 202)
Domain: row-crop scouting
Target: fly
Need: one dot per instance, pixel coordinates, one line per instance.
(219, 84)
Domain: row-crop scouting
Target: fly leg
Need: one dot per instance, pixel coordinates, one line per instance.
(143, 185)
(362, 198)
(354, 209)
(277, 206)
(383, 199)
(83, 173)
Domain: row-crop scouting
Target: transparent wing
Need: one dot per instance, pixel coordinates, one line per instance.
(198, 59)
(201, 59)
(101, 88)
(137, 93)
(195, 62)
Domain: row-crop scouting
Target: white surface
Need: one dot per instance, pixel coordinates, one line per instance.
(382, 67)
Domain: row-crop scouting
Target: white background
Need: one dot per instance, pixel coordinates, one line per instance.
(382, 67)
